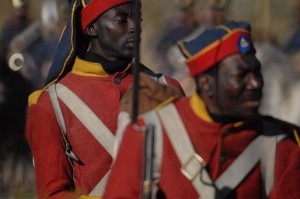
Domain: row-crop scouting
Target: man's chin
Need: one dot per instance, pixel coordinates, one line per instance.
(128, 54)
(249, 113)
(243, 114)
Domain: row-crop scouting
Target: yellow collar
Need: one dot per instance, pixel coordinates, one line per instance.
(200, 110)
(86, 68)
(199, 107)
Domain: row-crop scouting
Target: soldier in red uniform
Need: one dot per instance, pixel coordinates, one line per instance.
(213, 144)
(72, 121)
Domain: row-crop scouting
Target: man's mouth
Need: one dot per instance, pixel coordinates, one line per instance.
(253, 103)
(253, 99)
(130, 43)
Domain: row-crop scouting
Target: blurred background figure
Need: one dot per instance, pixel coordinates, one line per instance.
(282, 83)
(26, 50)
(293, 44)
(15, 23)
(180, 23)
(203, 14)
(280, 67)
(15, 160)
(31, 51)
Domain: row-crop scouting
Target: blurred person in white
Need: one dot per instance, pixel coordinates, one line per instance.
(180, 22)
(16, 172)
(207, 13)
(16, 22)
(32, 50)
(20, 33)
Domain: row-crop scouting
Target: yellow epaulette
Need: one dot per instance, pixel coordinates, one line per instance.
(35, 96)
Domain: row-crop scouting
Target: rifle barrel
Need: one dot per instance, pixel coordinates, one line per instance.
(136, 60)
(148, 162)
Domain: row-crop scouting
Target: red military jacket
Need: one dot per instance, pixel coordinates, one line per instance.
(102, 93)
(219, 145)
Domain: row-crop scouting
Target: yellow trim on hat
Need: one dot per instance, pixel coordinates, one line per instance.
(34, 97)
(199, 107)
(184, 50)
(224, 28)
(206, 49)
(72, 49)
(215, 43)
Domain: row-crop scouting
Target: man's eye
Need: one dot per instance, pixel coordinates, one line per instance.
(121, 20)
(240, 75)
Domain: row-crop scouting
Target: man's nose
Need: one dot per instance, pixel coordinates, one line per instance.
(254, 81)
(131, 26)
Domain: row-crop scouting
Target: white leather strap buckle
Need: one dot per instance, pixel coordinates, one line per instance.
(193, 167)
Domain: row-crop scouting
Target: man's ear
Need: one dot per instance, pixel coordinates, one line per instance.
(205, 84)
(91, 31)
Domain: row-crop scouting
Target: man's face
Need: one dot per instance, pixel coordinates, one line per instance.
(239, 86)
(116, 31)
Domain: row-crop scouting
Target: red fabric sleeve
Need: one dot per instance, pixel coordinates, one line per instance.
(125, 178)
(175, 83)
(287, 171)
(52, 169)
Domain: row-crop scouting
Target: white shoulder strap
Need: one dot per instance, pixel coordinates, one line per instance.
(192, 164)
(268, 155)
(100, 187)
(268, 162)
(61, 122)
(123, 121)
(239, 169)
(87, 117)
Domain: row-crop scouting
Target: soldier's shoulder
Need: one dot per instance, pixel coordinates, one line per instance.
(290, 129)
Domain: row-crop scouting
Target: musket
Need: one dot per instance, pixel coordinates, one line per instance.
(136, 60)
(148, 156)
(147, 170)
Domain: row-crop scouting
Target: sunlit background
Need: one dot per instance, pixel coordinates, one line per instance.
(24, 63)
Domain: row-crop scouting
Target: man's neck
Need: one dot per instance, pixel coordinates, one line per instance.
(110, 67)
(222, 119)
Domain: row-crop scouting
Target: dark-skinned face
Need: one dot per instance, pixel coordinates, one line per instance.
(239, 86)
(115, 33)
